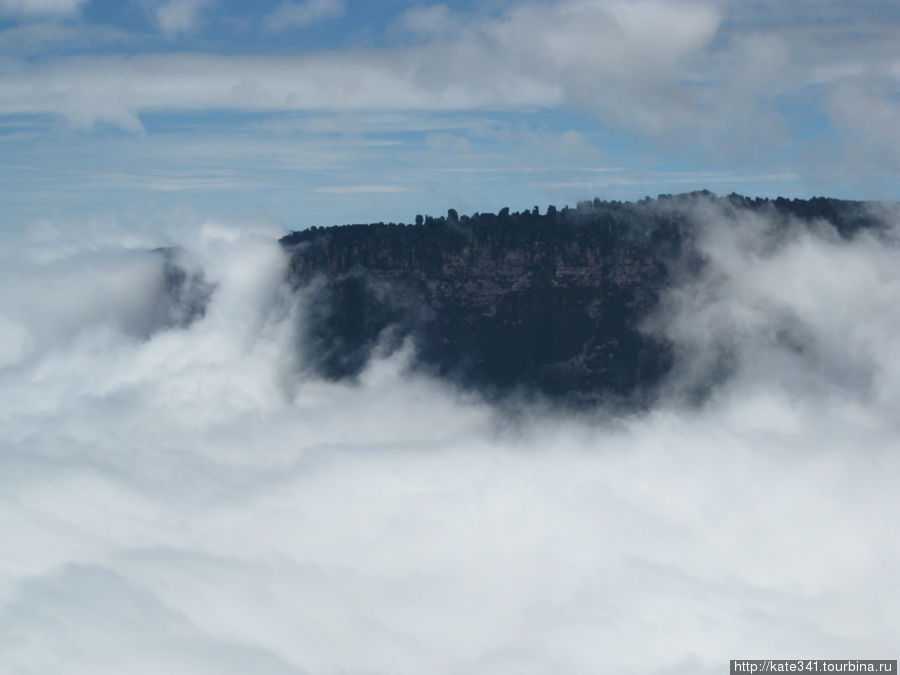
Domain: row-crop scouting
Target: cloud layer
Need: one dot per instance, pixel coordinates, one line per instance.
(728, 73)
(186, 499)
(624, 58)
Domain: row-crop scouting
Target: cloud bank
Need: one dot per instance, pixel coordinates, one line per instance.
(725, 73)
(533, 56)
(182, 497)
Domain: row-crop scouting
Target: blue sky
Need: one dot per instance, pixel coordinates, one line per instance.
(317, 112)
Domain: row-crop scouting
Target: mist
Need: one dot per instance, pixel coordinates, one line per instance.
(180, 494)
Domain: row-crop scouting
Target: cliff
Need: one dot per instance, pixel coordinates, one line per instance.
(550, 302)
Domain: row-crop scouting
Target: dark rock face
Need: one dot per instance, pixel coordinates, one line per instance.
(186, 293)
(553, 303)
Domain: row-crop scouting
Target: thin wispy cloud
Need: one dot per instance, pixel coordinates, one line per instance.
(40, 9)
(292, 15)
(180, 16)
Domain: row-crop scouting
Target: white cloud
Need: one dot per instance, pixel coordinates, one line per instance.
(780, 305)
(533, 56)
(290, 15)
(41, 9)
(719, 76)
(500, 65)
(180, 16)
(186, 499)
(117, 89)
(431, 21)
(866, 108)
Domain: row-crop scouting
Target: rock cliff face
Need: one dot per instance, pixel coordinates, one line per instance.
(551, 302)
(186, 293)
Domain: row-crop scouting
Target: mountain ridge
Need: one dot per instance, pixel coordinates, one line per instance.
(554, 303)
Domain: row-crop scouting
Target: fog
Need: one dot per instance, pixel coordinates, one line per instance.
(179, 493)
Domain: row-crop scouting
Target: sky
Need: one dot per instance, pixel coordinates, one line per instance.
(320, 112)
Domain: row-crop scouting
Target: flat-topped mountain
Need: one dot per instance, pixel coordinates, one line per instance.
(553, 302)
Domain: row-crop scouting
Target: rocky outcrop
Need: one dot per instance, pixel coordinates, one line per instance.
(553, 302)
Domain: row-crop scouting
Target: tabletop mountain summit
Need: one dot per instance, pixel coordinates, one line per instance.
(558, 303)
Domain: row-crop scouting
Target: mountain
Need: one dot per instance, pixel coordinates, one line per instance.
(554, 302)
